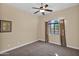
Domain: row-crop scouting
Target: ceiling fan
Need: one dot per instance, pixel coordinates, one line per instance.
(42, 9)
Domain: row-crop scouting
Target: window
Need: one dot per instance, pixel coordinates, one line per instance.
(53, 27)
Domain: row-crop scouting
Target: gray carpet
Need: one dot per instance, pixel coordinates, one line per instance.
(40, 48)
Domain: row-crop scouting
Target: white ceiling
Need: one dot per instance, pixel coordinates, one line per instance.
(54, 6)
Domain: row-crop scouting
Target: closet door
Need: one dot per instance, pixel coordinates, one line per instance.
(62, 33)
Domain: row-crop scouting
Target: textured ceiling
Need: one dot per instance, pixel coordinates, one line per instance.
(54, 6)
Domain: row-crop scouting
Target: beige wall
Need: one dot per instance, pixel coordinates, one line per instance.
(27, 27)
(71, 15)
(24, 27)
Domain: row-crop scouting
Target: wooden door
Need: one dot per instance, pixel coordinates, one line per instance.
(46, 32)
(62, 33)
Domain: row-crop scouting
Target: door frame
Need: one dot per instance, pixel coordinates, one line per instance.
(62, 33)
(63, 43)
(46, 32)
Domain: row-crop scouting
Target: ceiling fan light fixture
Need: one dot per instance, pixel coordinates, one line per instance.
(42, 10)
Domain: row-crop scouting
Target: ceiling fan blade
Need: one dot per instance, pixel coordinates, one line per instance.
(35, 12)
(35, 8)
(41, 6)
(48, 10)
(46, 5)
(43, 13)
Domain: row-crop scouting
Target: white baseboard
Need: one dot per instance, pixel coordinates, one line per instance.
(41, 39)
(60, 44)
(73, 47)
(55, 43)
(4, 51)
(49, 41)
